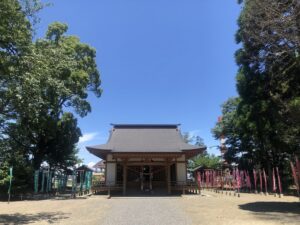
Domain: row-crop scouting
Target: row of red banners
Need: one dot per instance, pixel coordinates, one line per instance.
(237, 179)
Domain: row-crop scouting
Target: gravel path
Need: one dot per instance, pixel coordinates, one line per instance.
(211, 209)
(147, 211)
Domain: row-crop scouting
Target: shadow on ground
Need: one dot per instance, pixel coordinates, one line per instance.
(18, 218)
(286, 212)
(279, 207)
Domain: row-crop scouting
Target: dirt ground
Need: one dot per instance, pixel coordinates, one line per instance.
(211, 208)
(247, 209)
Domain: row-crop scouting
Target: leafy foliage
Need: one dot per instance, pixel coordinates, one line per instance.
(15, 39)
(262, 126)
(59, 71)
(207, 161)
(192, 139)
(42, 83)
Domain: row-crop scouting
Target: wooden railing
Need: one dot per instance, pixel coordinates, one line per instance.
(101, 186)
(185, 187)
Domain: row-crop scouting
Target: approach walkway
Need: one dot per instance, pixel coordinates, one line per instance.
(146, 210)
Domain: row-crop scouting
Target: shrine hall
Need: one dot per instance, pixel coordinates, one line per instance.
(145, 157)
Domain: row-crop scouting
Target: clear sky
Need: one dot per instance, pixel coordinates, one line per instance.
(161, 61)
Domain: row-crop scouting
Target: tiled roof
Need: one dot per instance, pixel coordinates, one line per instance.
(154, 138)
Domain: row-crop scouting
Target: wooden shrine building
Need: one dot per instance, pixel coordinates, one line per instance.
(145, 157)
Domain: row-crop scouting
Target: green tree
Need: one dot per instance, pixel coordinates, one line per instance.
(15, 41)
(31, 9)
(42, 83)
(61, 72)
(62, 150)
(192, 139)
(262, 126)
(268, 80)
(208, 161)
(238, 131)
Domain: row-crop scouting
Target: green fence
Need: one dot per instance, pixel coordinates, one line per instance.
(46, 181)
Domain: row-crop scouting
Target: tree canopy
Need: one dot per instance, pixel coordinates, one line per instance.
(43, 83)
(261, 126)
(205, 160)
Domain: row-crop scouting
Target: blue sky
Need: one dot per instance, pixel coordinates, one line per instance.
(161, 61)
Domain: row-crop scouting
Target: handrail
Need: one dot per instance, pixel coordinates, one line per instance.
(106, 184)
(178, 183)
(183, 183)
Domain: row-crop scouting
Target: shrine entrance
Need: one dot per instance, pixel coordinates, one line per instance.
(146, 179)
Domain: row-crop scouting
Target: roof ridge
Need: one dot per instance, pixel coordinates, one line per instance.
(145, 125)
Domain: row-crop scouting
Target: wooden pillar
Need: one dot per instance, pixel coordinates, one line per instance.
(141, 178)
(168, 178)
(105, 172)
(124, 178)
(108, 192)
(150, 178)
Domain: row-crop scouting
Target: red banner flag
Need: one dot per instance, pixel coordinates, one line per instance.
(238, 179)
(241, 178)
(245, 178)
(233, 179)
(265, 179)
(295, 176)
(248, 181)
(199, 179)
(279, 181)
(260, 181)
(274, 181)
(255, 180)
(207, 178)
(298, 169)
(233, 174)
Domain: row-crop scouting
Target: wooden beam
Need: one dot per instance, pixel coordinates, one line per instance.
(145, 155)
(130, 163)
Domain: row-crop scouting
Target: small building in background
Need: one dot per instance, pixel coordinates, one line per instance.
(99, 167)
